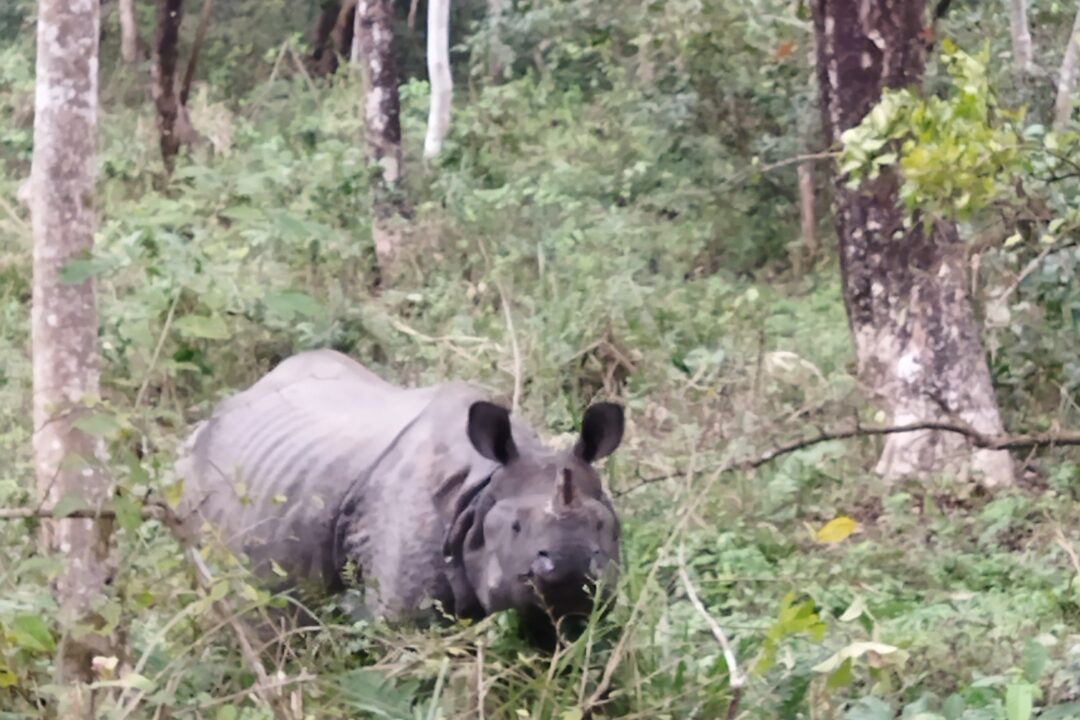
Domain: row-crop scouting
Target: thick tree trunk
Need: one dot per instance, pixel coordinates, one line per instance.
(917, 342)
(1067, 75)
(323, 59)
(438, 63)
(163, 78)
(1023, 53)
(65, 324)
(129, 32)
(382, 123)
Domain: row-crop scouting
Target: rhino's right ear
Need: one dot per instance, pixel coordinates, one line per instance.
(489, 432)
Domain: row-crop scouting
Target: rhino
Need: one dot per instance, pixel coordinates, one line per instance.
(433, 500)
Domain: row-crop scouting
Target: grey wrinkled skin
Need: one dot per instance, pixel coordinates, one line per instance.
(429, 494)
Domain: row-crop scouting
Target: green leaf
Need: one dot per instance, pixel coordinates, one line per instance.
(31, 633)
(102, 425)
(953, 707)
(292, 303)
(82, 269)
(1019, 701)
(7, 678)
(128, 514)
(69, 503)
(1035, 657)
(210, 327)
(174, 493)
(227, 712)
(841, 678)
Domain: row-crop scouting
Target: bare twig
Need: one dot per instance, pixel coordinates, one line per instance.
(480, 690)
(1063, 542)
(157, 348)
(505, 302)
(737, 679)
(798, 160)
(1033, 266)
(979, 440)
(196, 48)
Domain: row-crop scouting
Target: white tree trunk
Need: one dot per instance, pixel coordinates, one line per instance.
(497, 49)
(129, 31)
(1063, 103)
(1023, 53)
(438, 63)
(64, 323)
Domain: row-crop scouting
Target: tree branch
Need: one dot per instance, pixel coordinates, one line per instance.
(736, 678)
(979, 440)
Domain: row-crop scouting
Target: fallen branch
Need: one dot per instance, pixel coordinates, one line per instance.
(980, 440)
(737, 679)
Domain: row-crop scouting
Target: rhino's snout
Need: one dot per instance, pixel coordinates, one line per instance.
(578, 568)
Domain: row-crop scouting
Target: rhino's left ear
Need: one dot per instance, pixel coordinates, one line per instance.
(601, 432)
(489, 432)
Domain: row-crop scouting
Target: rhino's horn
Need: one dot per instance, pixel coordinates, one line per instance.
(564, 488)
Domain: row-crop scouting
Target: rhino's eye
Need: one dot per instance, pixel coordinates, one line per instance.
(516, 527)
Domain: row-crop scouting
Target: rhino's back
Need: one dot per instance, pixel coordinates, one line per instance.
(271, 464)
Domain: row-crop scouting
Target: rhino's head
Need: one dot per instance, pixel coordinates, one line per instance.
(542, 534)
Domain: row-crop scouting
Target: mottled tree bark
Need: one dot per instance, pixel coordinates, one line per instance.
(917, 343)
(497, 49)
(65, 324)
(1067, 76)
(382, 123)
(442, 86)
(1023, 53)
(129, 32)
(163, 78)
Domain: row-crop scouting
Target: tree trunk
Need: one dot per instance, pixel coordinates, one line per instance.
(1023, 53)
(807, 219)
(382, 124)
(917, 343)
(163, 78)
(438, 62)
(323, 60)
(497, 49)
(1063, 103)
(129, 32)
(65, 326)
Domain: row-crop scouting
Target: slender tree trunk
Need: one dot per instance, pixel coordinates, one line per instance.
(65, 324)
(807, 218)
(129, 32)
(916, 339)
(163, 78)
(1066, 89)
(382, 124)
(1023, 53)
(342, 35)
(497, 49)
(438, 62)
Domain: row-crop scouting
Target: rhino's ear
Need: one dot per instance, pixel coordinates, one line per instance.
(601, 432)
(489, 432)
